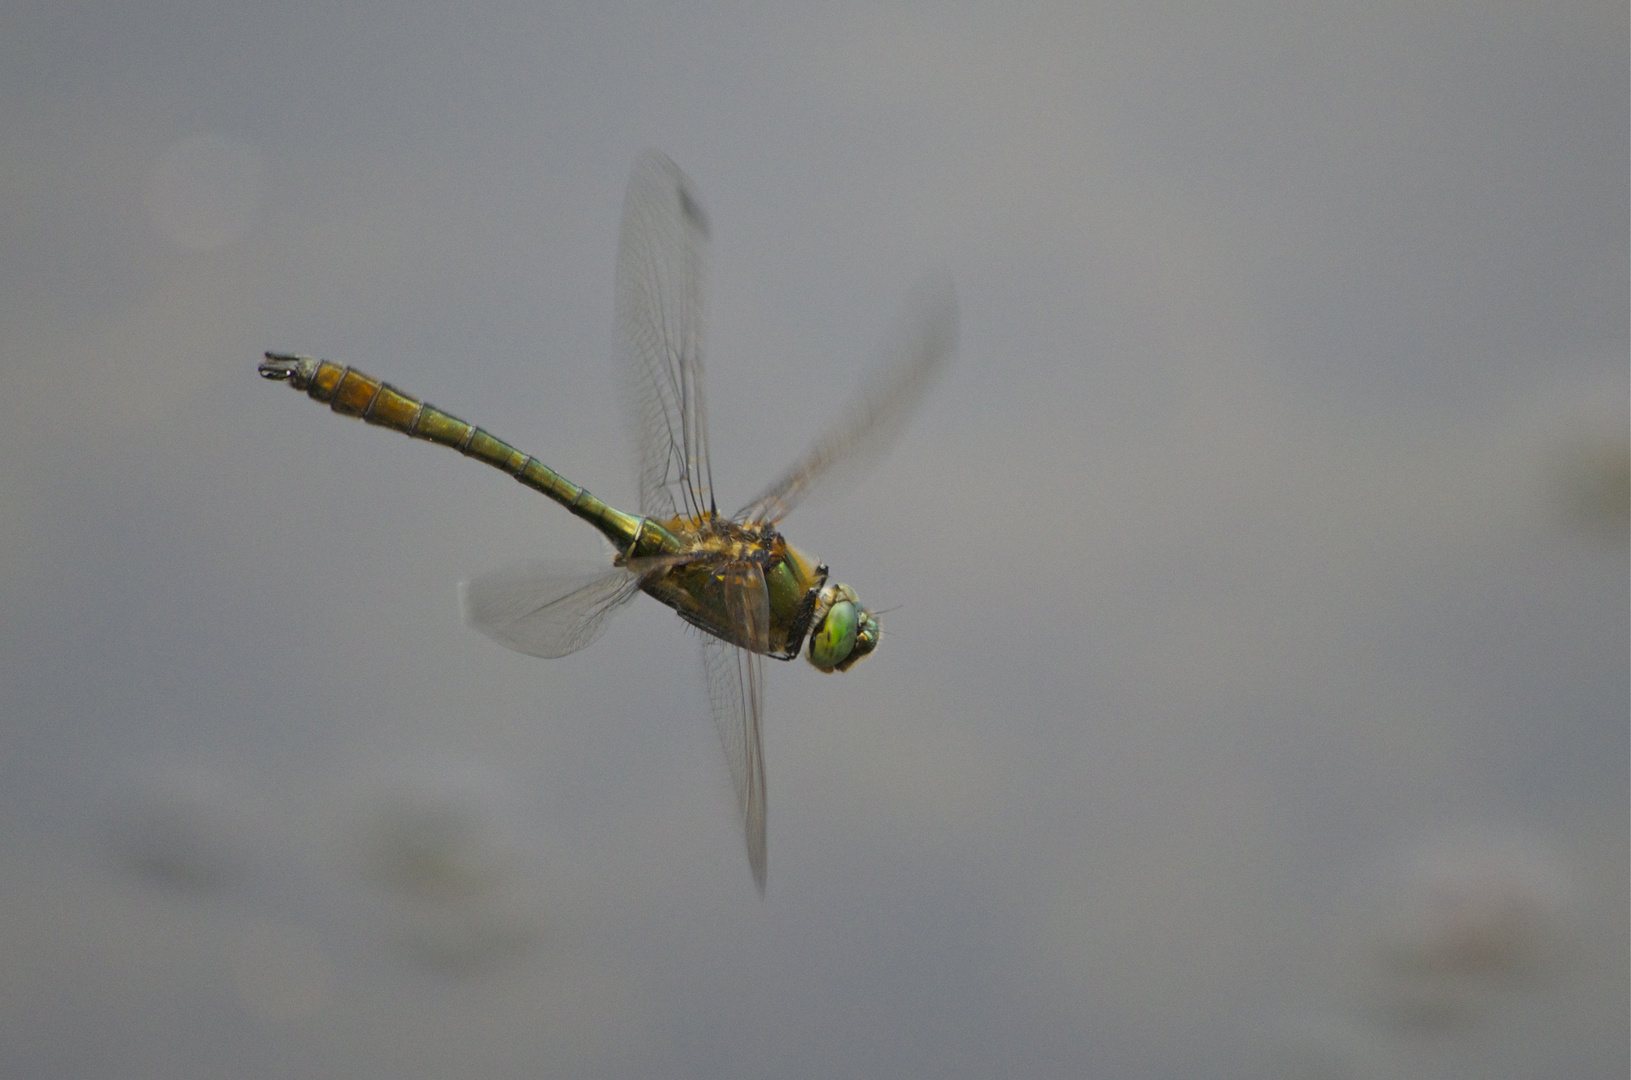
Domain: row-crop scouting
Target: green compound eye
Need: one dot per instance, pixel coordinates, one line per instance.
(866, 639)
(834, 640)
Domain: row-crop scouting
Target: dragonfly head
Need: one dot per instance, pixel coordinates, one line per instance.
(842, 631)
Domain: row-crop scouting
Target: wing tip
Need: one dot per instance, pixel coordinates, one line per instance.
(757, 861)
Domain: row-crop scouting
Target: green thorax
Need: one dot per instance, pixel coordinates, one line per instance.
(696, 589)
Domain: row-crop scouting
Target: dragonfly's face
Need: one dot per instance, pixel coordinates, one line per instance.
(842, 631)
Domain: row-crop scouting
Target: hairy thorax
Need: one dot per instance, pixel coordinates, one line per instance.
(698, 588)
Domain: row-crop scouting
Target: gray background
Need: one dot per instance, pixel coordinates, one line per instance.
(1254, 692)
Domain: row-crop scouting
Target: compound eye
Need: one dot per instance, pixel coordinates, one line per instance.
(834, 639)
(866, 639)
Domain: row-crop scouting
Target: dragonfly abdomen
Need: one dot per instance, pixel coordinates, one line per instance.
(352, 393)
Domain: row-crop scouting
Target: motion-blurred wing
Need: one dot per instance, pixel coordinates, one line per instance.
(915, 352)
(659, 320)
(736, 690)
(544, 609)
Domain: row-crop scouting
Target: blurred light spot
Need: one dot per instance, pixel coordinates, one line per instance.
(468, 939)
(281, 971)
(1594, 476)
(1465, 919)
(451, 872)
(203, 191)
(174, 827)
(435, 847)
(1316, 1049)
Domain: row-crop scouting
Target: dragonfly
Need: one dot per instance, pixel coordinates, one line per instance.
(736, 579)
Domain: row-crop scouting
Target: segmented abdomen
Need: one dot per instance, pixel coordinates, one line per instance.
(352, 393)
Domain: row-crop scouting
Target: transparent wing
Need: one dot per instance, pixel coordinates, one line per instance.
(736, 690)
(915, 352)
(545, 609)
(659, 319)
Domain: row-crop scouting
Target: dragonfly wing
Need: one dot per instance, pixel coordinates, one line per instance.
(736, 690)
(545, 609)
(660, 259)
(914, 353)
